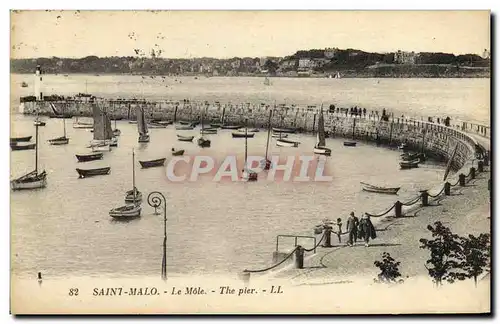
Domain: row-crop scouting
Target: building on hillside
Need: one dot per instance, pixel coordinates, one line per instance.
(330, 52)
(319, 62)
(486, 54)
(288, 64)
(401, 57)
(305, 64)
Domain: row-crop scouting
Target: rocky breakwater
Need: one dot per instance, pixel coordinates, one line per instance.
(436, 140)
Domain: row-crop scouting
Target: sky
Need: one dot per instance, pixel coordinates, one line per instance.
(226, 34)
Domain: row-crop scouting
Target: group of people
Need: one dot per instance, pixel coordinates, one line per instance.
(357, 229)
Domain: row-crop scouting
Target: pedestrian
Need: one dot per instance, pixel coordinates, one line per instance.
(339, 226)
(366, 229)
(352, 229)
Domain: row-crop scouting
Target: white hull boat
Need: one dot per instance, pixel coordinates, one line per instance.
(126, 212)
(101, 148)
(286, 143)
(322, 151)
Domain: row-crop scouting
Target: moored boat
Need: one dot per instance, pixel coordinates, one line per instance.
(85, 173)
(286, 143)
(184, 127)
(279, 135)
(152, 163)
(20, 139)
(89, 157)
(409, 164)
(142, 126)
(233, 127)
(285, 130)
(63, 140)
(377, 189)
(156, 125)
(242, 135)
(22, 147)
(254, 130)
(215, 125)
(413, 156)
(39, 123)
(248, 174)
(185, 138)
(349, 143)
(208, 131)
(134, 195)
(203, 142)
(126, 212)
(177, 152)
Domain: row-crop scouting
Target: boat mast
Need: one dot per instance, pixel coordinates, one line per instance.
(246, 143)
(353, 126)
(36, 149)
(64, 127)
(133, 174)
(268, 130)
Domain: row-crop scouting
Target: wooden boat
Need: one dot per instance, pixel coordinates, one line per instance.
(284, 130)
(185, 123)
(233, 127)
(377, 189)
(279, 135)
(185, 138)
(20, 139)
(412, 156)
(134, 195)
(254, 130)
(85, 173)
(350, 143)
(156, 125)
(101, 148)
(132, 121)
(320, 147)
(82, 125)
(203, 142)
(162, 122)
(152, 163)
(39, 123)
(248, 175)
(242, 135)
(208, 131)
(215, 125)
(126, 212)
(116, 131)
(142, 126)
(68, 116)
(177, 152)
(34, 179)
(24, 84)
(184, 127)
(22, 147)
(286, 143)
(409, 164)
(88, 157)
(63, 140)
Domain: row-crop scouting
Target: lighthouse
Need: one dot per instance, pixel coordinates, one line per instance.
(38, 83)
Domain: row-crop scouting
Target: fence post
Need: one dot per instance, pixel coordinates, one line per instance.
(473, 173)
(461, 179)
(447, 188)
(397, 208)
(328, 237)
(299, 257)
(425, 197)
(480, 166)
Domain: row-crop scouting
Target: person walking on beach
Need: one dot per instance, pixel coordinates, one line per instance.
(339, 233)
(352, 229)
(366, 230)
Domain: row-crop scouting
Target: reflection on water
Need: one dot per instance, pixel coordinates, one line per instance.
(213, 227)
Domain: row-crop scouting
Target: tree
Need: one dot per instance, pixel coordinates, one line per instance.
(389, 269)
(445, 251)
(475, 255)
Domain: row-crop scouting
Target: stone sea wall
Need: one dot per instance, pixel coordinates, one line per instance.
(436, 140)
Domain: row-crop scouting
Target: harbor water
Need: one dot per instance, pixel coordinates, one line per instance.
(64, 229)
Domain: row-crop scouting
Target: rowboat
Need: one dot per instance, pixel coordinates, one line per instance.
(242, 135)
(20, 139)
(59, 141)
(132, 121)
(84, 173)
(215, 125)
(279, 135)
(185, 138)
(184, 123)
(322, 150)
(208, 131)
(409, 164)
(22, 147)
(162, 122)
(184, 127)
(83, 125)
(234, 127)
(156, 125)
(177, 152)
(284, 130)
(254, 130)
(412, 156)
(152, 163)
(126, 212)
(203, 142)
(100, 147)
(89, 157)
(350, 143)
(286, 143)
(377, 189)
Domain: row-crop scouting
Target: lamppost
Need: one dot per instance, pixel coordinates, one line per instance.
(155, 200)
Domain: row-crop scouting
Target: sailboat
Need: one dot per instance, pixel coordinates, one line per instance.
(129, 210)
(34, 179)
(101, 133)
(63, 140)
(142, 126)
(267, 82)
(320, 147)
(134, 195)
(267, 162)
(203, 142)
(248, 175)
(37, 121)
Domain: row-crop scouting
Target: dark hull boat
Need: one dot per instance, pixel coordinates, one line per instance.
(152, 163)
(22, 147)
(185, 138)
(243, 135)
(202, 142)
(215, 125)
(89, 157)
(284, 130)
(85, 173)
(286, 143)
(20, 139)
(59, 141)
(177, 152)
(351, 144)
(162, 122)
(185, 123)
(409, 164)
(377, 189)
(414, 156)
